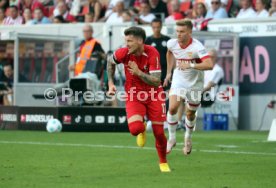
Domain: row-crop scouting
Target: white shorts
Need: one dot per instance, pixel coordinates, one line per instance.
(192, 96)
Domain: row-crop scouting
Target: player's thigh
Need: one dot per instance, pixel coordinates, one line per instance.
(193, 99)
(135, 111)
(156, 111)
(174, 102)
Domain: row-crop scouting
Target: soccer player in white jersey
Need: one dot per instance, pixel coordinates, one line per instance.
(187, 82)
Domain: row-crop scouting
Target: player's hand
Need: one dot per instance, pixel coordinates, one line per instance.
(133, 68)
(111, 90)
(183, 66)
(167, 80)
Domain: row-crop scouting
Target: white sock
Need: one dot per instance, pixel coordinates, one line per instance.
(172, 125)
(189, 127)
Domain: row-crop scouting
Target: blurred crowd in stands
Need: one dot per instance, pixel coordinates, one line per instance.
(29, 12)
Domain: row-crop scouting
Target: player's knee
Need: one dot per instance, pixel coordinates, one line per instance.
(136, 127)
(190, 115)
(173, 110)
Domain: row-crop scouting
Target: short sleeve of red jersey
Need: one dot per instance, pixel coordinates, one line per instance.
(154, 62)
(119, 55)
(202, 52)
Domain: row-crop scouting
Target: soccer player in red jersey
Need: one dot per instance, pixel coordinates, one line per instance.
(144, 94)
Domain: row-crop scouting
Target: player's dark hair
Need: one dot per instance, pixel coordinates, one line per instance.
(185, 22)
(136, 32)
(157, 20)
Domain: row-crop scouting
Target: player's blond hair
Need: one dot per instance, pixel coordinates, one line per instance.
(185, 22)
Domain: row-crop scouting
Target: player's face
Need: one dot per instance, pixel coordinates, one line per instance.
(183, 33)
(133, 43)
(156, 27)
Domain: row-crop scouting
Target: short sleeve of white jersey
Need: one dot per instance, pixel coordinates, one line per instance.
(217, 74)
(201, 51)
(170, 44)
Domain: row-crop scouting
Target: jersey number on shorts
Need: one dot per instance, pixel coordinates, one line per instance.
(163, 108)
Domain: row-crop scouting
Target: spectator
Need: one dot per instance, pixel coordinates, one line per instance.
(95, 7)
(14, 18)
(159, 41)
(56, 11)
(212, 79)
(2, 15)
(32, 5)
(176, 14)
(62, 8)
(145, 16)
(90, 49)
(126, 16)
(39, 18)
(246, 10)
(111, 7)
(216, 11)
(158, 7)
(59, 20)
(7, 82)
(4, 4)
(261, 12)
(27, 16)
(200, 13)
(272, 10)
(88, 18)
(116, 16)
(208, 3)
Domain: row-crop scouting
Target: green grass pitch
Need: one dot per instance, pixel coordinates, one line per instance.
(237, 159)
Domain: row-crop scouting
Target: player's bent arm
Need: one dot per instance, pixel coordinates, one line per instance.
(111, 67)
(206, 64)
(170, 61)
(152, 79)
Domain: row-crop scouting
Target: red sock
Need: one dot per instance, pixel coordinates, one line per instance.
(160, 142)
(136, 127)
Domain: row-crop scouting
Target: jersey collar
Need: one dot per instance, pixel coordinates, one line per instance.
(184, 47)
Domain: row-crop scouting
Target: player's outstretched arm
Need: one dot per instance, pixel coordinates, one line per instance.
(206, 64)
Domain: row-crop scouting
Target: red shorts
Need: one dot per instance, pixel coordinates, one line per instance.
(154, 109)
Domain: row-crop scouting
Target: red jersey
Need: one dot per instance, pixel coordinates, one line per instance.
(148, 62)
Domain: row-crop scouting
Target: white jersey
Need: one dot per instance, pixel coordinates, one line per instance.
(215, 75)
(194, 52)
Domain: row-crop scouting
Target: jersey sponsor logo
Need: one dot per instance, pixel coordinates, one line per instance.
(187, 61)
(190, 54)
